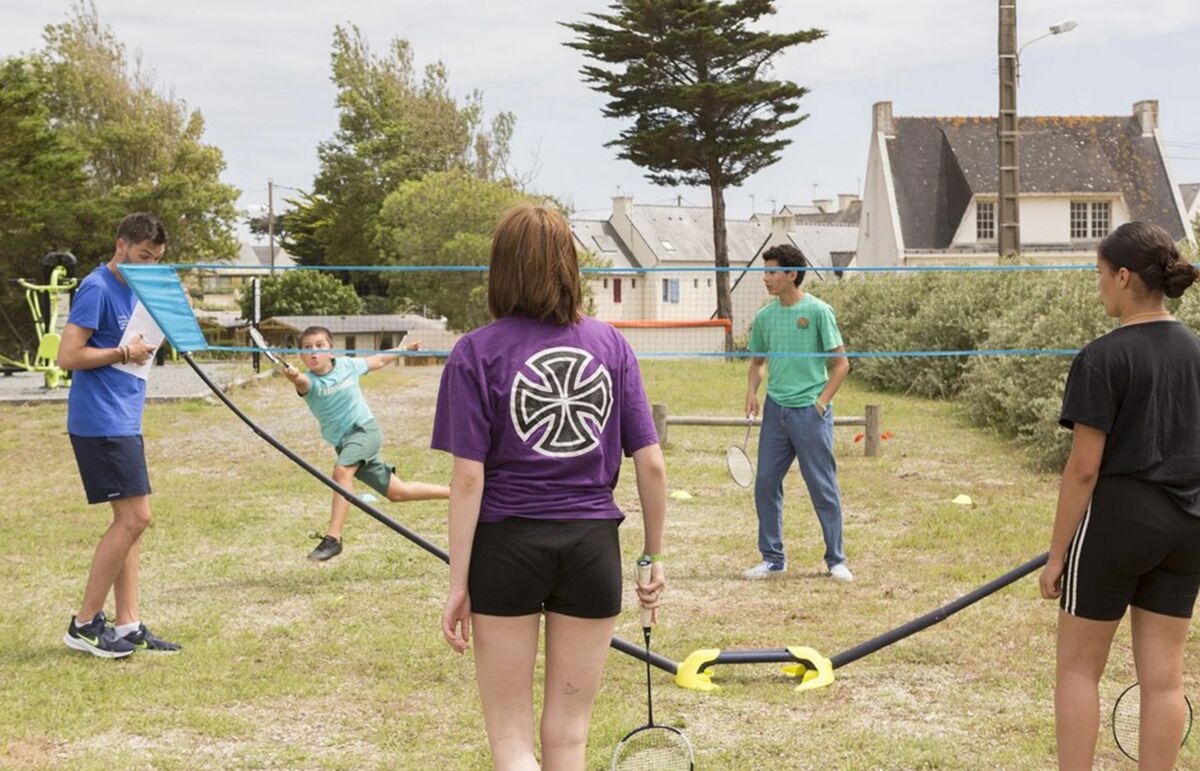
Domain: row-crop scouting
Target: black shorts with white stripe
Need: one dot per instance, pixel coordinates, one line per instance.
(1134, 546)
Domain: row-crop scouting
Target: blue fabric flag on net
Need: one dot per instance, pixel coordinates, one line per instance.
(159, 289)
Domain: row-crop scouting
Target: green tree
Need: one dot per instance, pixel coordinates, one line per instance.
(301, 293)
(692, 75)
(41, 179)
(444, 218)
(143, 149)
(394, 125)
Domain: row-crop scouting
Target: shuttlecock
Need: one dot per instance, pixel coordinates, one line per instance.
(680, 495)
(963, 500)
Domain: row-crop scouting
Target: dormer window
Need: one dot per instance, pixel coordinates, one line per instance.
(1090, 219)
(985, 220)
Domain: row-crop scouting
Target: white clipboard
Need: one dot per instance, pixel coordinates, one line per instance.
(141, 322)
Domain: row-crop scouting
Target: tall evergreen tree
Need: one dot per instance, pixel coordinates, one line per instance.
(693, 76)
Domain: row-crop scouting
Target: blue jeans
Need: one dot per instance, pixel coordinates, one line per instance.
(787, 434)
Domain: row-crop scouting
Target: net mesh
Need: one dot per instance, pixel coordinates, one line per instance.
(654, 748)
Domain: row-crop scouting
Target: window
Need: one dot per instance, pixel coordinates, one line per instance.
(1101, 215)
(350, 345)
(985, 220)
(606, 283)
(670, 290)
(385, 343)
(695, 283)
(1090, 219)
(709, 282)
(670, 247)
(616, 290)
(633, 283)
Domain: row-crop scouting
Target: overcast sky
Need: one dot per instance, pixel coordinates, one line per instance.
(259, 73)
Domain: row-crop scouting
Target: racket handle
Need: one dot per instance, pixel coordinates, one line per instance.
(643, 577)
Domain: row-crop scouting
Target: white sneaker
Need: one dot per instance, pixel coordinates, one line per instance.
(840, 572)
(765, 569)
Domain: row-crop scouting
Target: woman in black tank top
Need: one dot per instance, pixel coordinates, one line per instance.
(1128, 514)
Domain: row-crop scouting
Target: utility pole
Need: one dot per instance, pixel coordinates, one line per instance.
(1008, 135)
(271, 222)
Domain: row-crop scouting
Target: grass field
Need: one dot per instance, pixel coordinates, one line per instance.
(290, 664)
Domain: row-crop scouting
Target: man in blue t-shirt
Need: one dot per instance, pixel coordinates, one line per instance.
(104, 421)
(797, 416)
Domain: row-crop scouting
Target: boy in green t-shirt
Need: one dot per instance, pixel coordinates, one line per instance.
(330, 388)
(797, 418)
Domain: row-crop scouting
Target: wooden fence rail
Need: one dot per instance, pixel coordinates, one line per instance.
(871, 421)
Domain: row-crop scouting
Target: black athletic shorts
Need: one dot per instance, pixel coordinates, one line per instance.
(112, 467)
(1134, 546)
(521, 566)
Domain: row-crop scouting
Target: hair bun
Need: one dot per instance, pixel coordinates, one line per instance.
(1178, 276)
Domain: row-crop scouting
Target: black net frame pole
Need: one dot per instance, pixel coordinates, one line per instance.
(617, 642)
(934, 617)
(782, 655)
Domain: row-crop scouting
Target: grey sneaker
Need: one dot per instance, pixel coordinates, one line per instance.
(841, 572)
(328, 548)
(765, 569)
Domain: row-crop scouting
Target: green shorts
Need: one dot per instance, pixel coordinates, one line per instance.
(360, 447)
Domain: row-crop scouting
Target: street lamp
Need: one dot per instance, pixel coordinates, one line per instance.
(1062, 28)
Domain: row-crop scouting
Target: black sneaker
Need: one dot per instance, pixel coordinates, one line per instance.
(328, 548)
(143, 639)
(97, 638)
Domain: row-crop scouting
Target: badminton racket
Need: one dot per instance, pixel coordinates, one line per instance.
(741, 470)
(261, 343)
(1126, 719)
(652, 747)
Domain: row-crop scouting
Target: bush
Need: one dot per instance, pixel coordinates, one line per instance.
(302, 293)
(1017, 396)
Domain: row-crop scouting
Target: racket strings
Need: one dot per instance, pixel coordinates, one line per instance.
(1126, 720)
(740, 467)
(654, 748)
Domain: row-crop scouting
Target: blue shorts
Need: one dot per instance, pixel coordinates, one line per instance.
(112, 467)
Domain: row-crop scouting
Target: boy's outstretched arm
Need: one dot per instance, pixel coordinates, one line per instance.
(298, 378)
(381, 360)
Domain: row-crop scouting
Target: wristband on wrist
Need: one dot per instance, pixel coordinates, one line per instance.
(653, 558)
(124, 354)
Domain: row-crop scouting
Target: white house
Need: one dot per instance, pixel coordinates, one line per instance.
(1190, 193)
(644, 304)
(251, 260)
(931, 186)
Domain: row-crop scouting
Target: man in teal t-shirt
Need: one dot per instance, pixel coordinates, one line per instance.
(797, 420)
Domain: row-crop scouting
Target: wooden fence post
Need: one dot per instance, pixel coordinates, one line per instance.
(872, 414)
(660, 422)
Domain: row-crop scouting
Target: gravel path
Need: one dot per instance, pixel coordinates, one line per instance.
(170, 382)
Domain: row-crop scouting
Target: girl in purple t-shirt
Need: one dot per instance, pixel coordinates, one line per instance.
(538, 409)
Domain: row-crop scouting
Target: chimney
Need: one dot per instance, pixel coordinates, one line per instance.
(781, 225)
(623, 205)
(824, 204)
(881, 119)
(845, 199)
(1146, 111)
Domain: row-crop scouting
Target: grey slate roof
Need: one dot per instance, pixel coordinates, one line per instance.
(939, 163)
(688, 231)
(826, 245)
(600, 238)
